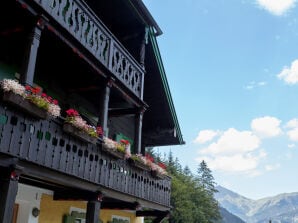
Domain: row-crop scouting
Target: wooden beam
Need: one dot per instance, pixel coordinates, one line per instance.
(120, 205)
(75, 194)
(29, 62)
(154, 213)
(138, 130)
(104, 105)
(122, 112)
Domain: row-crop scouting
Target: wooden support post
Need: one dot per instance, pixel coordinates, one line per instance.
(143, 47)
(29, 62)
(138, 131)
(8, 193)
(104, 106)
(93, 210)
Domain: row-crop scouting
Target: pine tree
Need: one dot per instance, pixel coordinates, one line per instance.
(205, 179)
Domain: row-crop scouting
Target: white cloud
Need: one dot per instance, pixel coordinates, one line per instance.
(272, 167)
(235, 163)
(233, 141)
(205, 136)
(266, 126)
(290, 74)
(291, 146)
(262, 83)
(293, 123)
(276, 7)
(293, 134)
(251, 85)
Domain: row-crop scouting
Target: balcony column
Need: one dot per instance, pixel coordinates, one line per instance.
(93, 210)
(104, 105)
(143, 47)
(8, 192)
(29, 62)
(138, 130)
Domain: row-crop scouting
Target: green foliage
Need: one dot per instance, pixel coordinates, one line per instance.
(191, 195)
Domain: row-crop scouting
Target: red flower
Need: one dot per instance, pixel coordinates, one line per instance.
(150, 158)
(55, 102)
(28, 88)
(72, 112)
(125, 142)
(43, 95)
(162, 165)
(37, 90)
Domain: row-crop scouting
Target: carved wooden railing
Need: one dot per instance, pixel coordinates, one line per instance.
(44, 143)
(76, 17)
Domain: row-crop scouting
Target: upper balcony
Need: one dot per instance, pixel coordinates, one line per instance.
(82, 23)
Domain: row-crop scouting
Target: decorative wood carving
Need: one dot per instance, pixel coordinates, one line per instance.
(77, 18)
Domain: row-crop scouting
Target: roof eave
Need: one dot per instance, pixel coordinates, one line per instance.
(146, 16)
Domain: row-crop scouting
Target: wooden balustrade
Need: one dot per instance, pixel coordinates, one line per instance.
(80, 21)
(43, 142)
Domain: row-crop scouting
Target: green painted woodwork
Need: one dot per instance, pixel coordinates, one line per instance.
(121, 136)
(7, 71)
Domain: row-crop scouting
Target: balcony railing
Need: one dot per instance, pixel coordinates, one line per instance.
(43, 142)
(79, 20)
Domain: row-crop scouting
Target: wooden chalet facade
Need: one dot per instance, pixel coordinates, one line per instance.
(100, 57)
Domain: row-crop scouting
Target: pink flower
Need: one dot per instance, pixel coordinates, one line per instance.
(72, 112)
(99, 131)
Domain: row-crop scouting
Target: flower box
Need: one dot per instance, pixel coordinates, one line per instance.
(25, 105)
(115, 153)
(72, 130)
(157, 175)
(138, 164)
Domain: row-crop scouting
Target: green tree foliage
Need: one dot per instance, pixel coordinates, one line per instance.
(191, 195)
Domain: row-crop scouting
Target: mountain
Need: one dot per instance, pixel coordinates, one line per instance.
(282, 208)
(228, 217)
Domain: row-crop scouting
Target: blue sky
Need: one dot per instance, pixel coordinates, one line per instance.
(232, 67)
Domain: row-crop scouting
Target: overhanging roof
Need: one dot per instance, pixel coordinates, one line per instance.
(161, 126)
(144, 13)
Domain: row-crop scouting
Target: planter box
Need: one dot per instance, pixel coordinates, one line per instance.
(24, 105)
(157, 175)
(83, 136)
(114, 153)
(138, 164)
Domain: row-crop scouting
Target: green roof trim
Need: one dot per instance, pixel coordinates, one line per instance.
(165, 84)
(145, 16)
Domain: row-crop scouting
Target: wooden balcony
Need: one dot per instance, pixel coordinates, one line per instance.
(44, 146)
(80, 21)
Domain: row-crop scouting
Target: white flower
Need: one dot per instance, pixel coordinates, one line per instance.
(54, 110)
(12, 85)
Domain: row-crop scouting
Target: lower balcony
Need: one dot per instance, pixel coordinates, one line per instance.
(43, 147)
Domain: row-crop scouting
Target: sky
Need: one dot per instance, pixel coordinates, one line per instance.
(232, 67)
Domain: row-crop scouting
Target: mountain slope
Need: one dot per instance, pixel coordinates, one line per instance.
(228, 217)
(282, 208)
